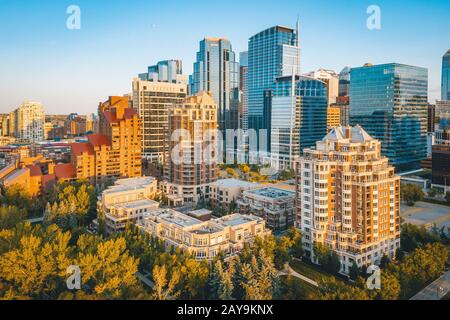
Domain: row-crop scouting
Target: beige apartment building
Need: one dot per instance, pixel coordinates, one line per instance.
(348, 198)
(27, 123)
(193, 149)
(224, 192)
(203, 239)
(152, 100)
(127, 201)
(274, 205)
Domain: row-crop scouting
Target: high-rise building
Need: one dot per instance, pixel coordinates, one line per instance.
(297, 119)
(445, 89)
(390, 101)
(165, 71)
(440, 176)
(193, 148)
(431, 117)
(331, 79)
(343, 104)
(4, 124)
(243, 87)
(152, 101)
(216, 71)
(28, 122)
(243, 106)
(348, 198)
(333, 117)
(92, 123)
(442, 113)
(272, 53)
(116, 151)
(344, 82)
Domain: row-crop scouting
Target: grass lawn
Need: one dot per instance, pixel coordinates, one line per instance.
(308, 271)
(308, 292)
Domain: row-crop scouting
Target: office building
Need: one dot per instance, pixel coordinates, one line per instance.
(152, 101)
(333, 117)
(390, 101)
(331, 79)
(440, 159)
(344, 82)
(216, 71)
(348, 198)
(272, 53)
(445, 87)
(203, 239)
(298, 118)
(170, 71)
(431, 117)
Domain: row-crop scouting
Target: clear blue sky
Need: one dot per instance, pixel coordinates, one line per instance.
(71, 71)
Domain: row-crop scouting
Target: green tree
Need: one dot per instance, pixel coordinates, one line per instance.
(259, 278)
(411, 194)
(10, 216)
(222, 279)
(333, 289)
(164, 289)
(354, 271)
(106, 266)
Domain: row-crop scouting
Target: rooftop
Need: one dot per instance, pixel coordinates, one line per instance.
(138, 204)
(236, 219)
(231, 183)
(272, 193)
(353, 134)
(200, 213)
(130, 184)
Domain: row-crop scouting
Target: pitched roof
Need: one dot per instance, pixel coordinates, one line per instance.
(65, 171)
(97, 140)
(35, 170)
(81, 147)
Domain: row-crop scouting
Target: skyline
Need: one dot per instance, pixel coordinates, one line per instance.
(76, 69)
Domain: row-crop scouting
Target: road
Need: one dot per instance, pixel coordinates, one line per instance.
(435, 291)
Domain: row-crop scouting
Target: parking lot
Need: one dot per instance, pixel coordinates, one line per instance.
(426, 214)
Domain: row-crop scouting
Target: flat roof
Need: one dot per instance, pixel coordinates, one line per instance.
(272, 192)
(174, 217)
(230, 183)
(200, 212)
(138, 204)
(236, 219)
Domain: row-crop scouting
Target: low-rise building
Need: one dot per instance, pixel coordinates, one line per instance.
(127, 201)
(223, 193)
(275, 205)
(203, 239)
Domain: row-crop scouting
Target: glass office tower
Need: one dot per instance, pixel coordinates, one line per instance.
(165, 71)
(445, 90)
(298, 119)
(390, 102)
(216, 71)
(272, 53)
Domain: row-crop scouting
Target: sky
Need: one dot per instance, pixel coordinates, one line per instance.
(73, 70)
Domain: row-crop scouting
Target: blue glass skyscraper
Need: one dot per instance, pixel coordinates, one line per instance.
(272, 53)
(390, 102)
(313, 107)
(216, 71)
(445, 90)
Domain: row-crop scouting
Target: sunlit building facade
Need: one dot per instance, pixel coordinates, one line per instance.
(348, 198)
(390, 101)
